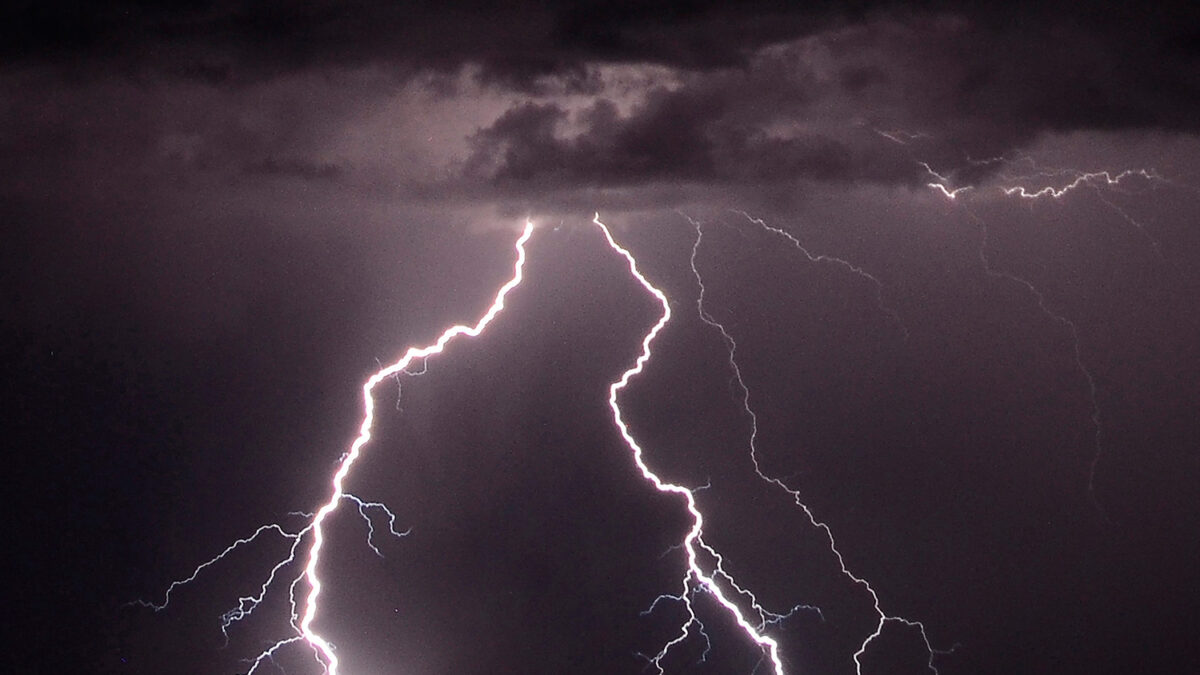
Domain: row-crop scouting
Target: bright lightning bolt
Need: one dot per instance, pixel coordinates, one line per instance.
(706, 570)
(1098, 182)
(940, 185)
(1089, 179)
(305, 613)
(314, 553)
(693, 542)
(302, 619)
(731, 347)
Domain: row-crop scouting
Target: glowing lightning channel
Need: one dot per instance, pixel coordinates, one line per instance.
(731, 348)
(248, 603)
(322, 649)
(940, 185)
(693, 542)
(320, 644)
(1040, 299)
(1089, 179)
(1097, 181)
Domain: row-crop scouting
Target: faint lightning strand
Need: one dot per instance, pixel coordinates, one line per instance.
(685, 631)
(272, 527)
(823, 258)
(1150, 238)
(397, 376)
(362, 510)
(731, 348)
(1098, 181)
(314, 554)
(269, 653)
(1040, 298)
(900, 136)
(765, 616)
(692, 541)
(247, 604)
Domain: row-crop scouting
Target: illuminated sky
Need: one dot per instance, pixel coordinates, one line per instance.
(221, 219)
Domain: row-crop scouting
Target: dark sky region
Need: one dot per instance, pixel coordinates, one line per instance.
(220, 217)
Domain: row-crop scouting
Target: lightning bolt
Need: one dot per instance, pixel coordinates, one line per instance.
(731, 348)
(940, 184)
(693, 542)
(1081, 178)
(1035, 186)
(1095, 415)
(319, 643)
(248, 603)
(1098, 182)
(304, 614)
(706, 571)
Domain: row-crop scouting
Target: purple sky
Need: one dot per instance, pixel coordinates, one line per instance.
(220, 217)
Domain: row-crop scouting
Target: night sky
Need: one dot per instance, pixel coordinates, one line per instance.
(220, 218)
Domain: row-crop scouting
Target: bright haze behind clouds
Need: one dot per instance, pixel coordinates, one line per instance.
(219, 215)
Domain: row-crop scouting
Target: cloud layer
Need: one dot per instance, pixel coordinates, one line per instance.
(540, 107)
(581, 99)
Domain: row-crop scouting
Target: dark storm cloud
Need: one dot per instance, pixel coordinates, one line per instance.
(668, 139)
(686, 135)
(515, 42)
(818, 108)
(758, 93)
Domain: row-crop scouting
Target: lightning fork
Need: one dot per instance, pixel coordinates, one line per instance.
(320, 644)
(302, 621)
(1097, 181)
(248, 603)
(693, 542)
(1040, 299)
(941, 182)
(731, 348)
(900, 136)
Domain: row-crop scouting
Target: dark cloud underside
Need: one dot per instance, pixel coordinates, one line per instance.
(760, 92)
